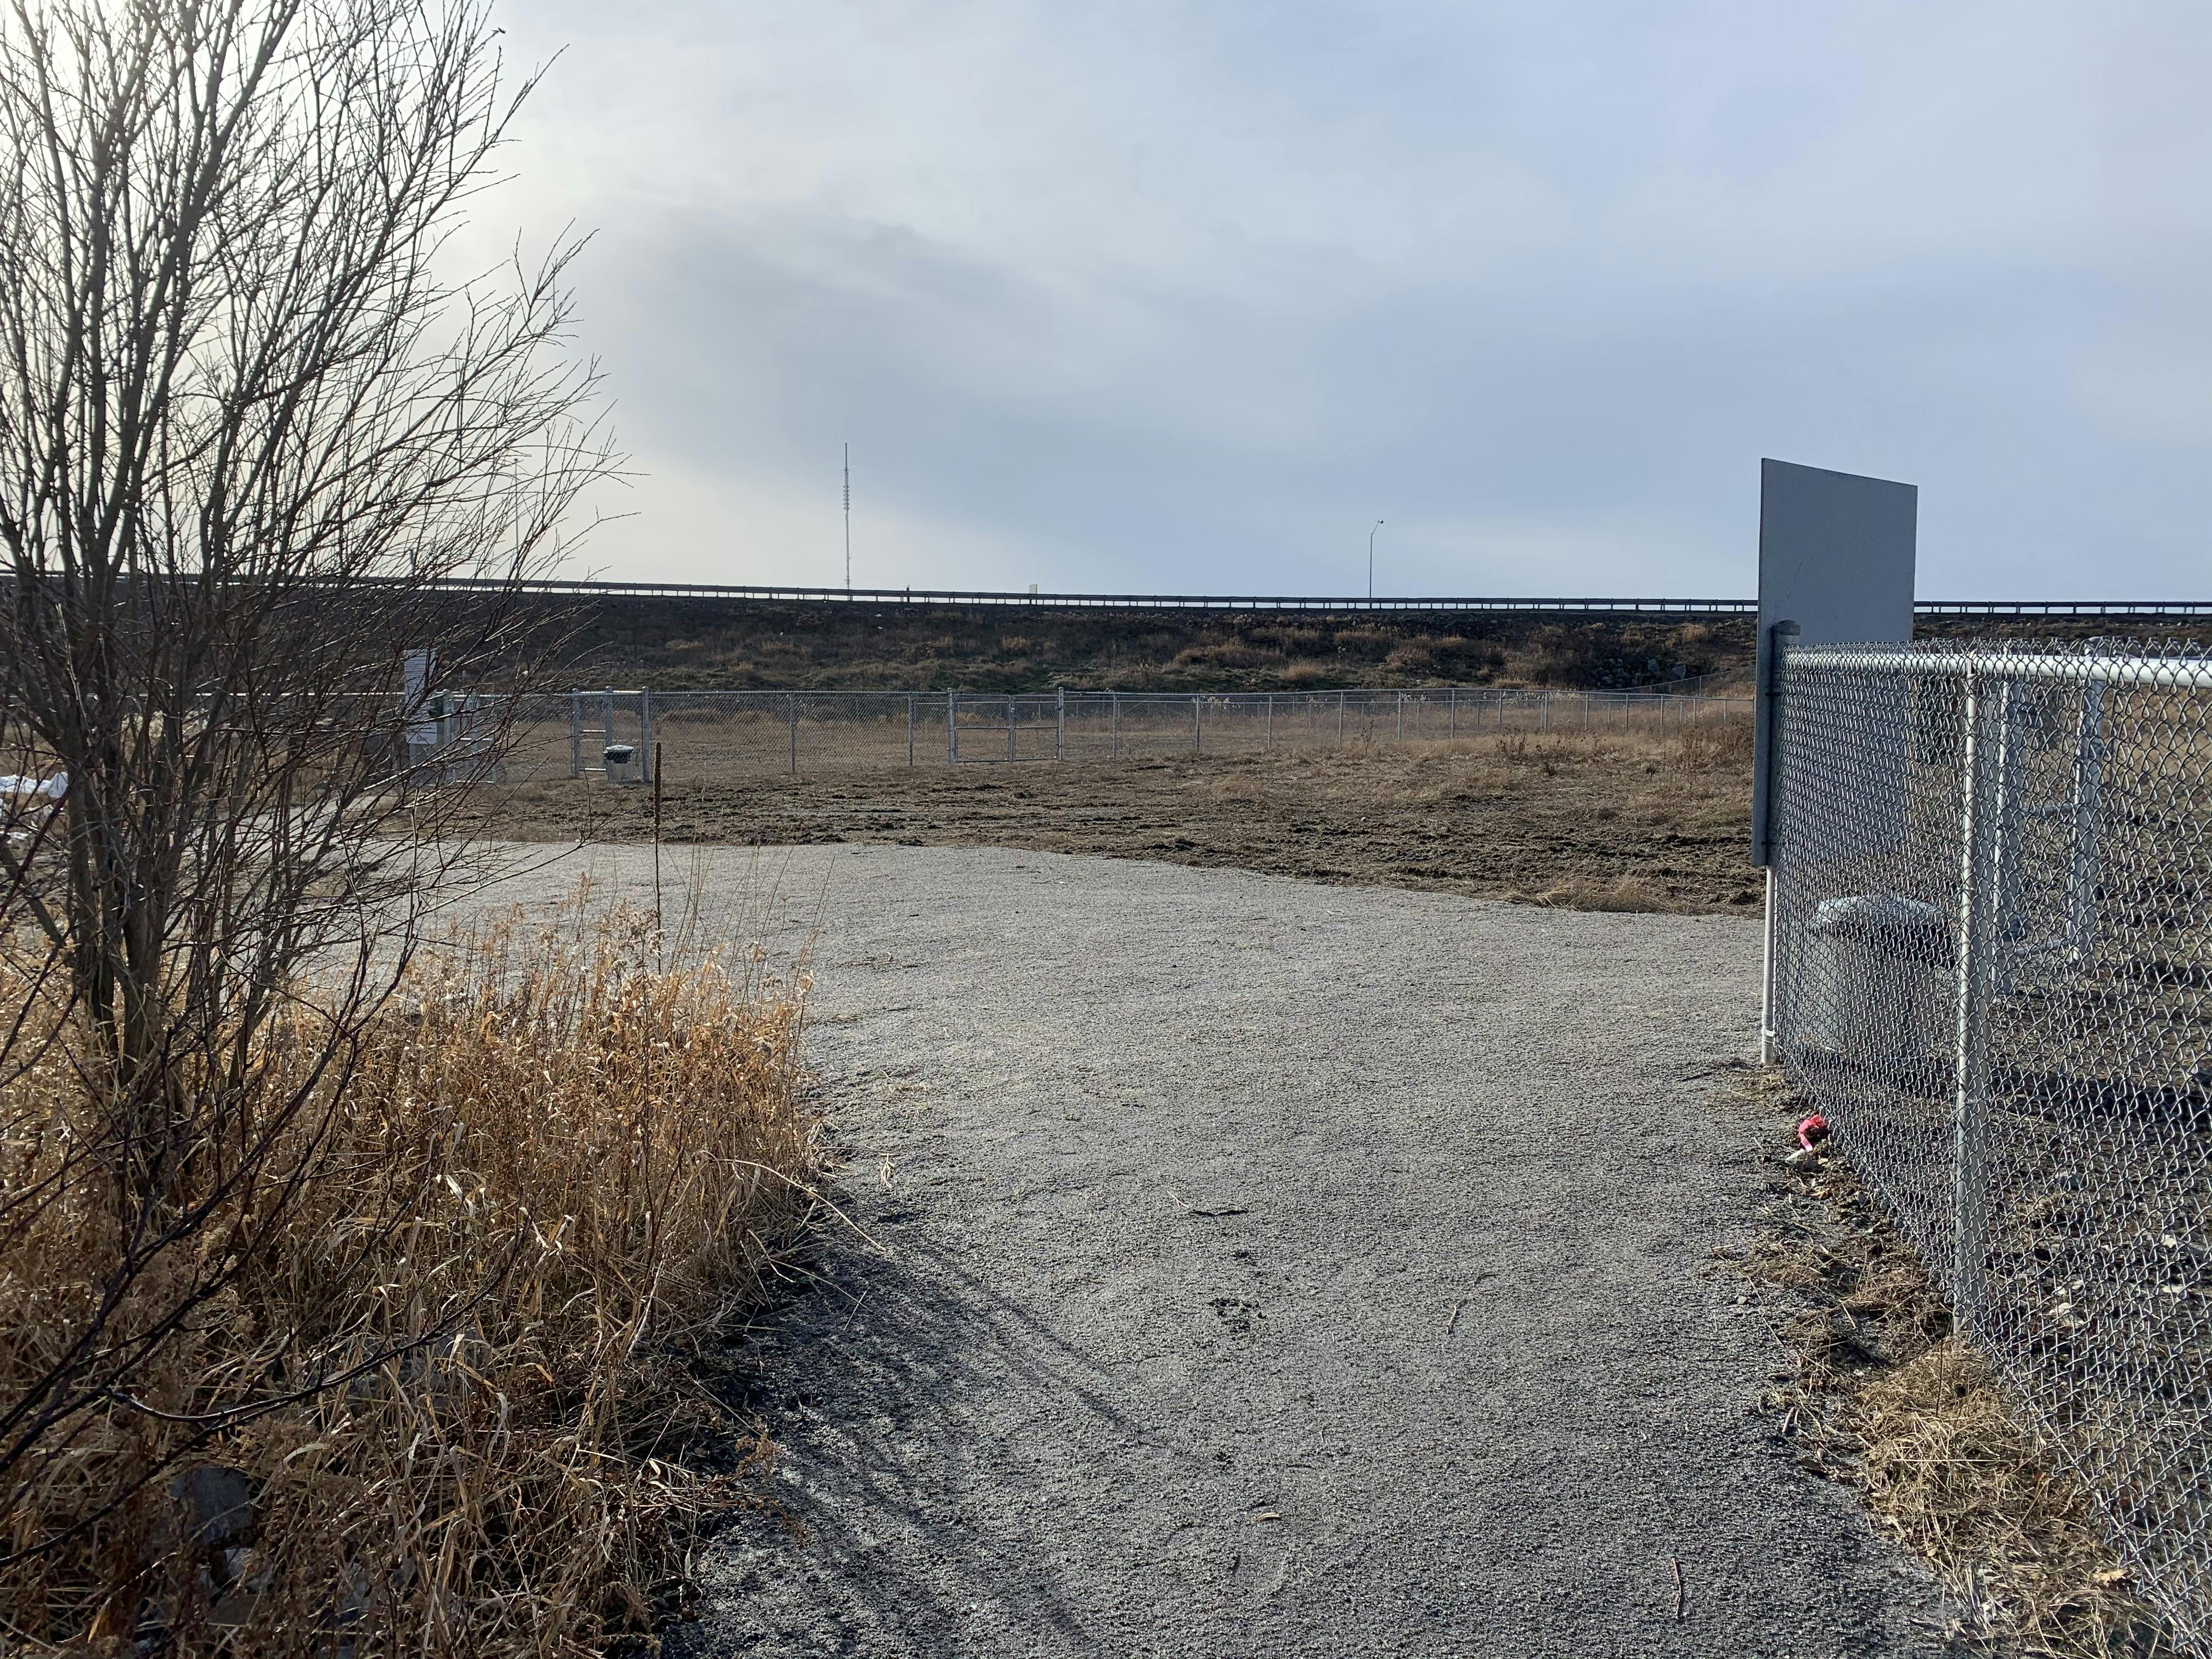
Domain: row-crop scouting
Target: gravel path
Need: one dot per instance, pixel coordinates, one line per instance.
(1273, 1269)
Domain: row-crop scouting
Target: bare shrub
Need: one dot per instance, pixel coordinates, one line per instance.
(258, 448)
(1219, 654)
(1369, 644)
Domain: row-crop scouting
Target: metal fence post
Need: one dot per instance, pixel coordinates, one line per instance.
(575, 734)
(1763, 836)
(2008, 926)
(1340, 717)
(2089, 788)
(1113, 720)
(952, 728)
(792, 703)
(1401, 717)
(1970, 1100)
(1544, 714)
(1197, 726)
(645, 732)
(1013, 751)
(1059, 723)
(1451, 715)
(1271, 719)
(909, 728)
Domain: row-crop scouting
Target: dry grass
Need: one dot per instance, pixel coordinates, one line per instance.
(562, 1164)
(705, 739)
(1629, 893)
(702, 643)
(1886, 1398)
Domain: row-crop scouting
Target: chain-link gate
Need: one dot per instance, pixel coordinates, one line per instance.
(610, 736)
(1992, 970)
(980, 726)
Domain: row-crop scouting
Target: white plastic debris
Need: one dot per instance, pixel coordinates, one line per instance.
(51, 788)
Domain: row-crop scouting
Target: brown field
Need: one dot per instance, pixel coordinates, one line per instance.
(724, 736)
(1644, 820)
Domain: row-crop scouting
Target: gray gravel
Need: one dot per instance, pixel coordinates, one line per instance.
(1274, 1269)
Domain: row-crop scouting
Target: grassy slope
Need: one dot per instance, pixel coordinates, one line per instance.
(709, 644)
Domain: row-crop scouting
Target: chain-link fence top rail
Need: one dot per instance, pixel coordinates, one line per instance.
(705, 735)
(1993, 973)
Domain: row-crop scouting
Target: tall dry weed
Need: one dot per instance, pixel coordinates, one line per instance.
(1628, 892)
(1713, 745)
(559, 1164)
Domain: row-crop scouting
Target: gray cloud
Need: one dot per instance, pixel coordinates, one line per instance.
(1185, 298)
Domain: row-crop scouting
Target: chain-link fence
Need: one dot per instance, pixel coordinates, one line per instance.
(614, 734)
(1992, 970)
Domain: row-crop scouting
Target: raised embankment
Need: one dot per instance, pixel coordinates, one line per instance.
(704, 639)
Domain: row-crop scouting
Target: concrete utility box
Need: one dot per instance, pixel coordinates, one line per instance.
(1875, 988)
(621, 760)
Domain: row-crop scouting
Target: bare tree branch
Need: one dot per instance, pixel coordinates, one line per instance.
(251, 415)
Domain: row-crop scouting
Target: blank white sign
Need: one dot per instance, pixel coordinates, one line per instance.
(1835, 556)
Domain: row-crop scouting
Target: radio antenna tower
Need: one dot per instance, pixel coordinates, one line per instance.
(849, 518)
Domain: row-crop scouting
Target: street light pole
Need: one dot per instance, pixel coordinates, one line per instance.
(1371, 560)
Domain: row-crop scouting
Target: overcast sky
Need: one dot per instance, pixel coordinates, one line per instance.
(1183, 297)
